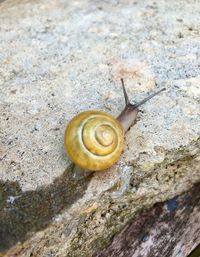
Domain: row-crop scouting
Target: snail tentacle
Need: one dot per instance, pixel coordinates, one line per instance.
(148, 98)
(127, 102)
(128, 116)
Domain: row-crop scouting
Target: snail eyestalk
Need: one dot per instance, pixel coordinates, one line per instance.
(129, 114)
(125, 93)
(149, 97)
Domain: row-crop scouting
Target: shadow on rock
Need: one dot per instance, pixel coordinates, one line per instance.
(31, 211)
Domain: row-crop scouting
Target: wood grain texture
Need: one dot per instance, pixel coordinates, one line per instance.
(170, 229)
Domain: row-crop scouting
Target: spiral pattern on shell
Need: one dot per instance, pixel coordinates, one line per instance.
(94, 140)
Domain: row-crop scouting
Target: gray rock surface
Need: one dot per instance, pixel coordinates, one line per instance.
(61, 57)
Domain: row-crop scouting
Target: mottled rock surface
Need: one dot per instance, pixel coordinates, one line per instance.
(61, 57)
(167, 229)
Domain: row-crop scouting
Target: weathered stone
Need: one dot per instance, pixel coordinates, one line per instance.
(167, 229)
(62, 57)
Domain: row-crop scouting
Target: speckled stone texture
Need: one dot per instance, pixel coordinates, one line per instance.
(58, 58)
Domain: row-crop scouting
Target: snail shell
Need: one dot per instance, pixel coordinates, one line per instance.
(94, 140)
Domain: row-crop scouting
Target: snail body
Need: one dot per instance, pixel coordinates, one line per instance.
(94, 139)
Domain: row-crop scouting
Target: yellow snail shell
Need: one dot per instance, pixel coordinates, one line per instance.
(94, 140)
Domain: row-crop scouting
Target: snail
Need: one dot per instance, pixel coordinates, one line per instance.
(94, 139)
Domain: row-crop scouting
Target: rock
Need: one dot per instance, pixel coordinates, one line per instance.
(167, 229)
(62, 57)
